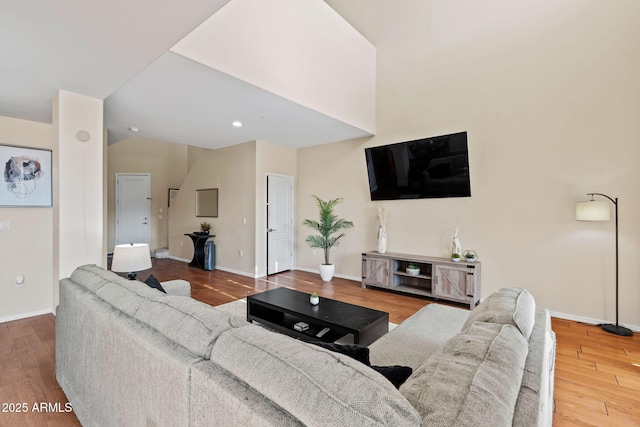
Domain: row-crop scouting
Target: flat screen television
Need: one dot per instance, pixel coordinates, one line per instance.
(421, 169)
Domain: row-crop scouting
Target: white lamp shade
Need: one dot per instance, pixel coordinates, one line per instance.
(593, 211)
(131, 257)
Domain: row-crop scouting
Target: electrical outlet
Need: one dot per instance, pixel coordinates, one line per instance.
(181, 244)
(241, 252)
(5, 225)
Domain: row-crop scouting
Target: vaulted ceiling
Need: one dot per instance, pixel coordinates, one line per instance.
(119, 51)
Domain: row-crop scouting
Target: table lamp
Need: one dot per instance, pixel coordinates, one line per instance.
(130, 258)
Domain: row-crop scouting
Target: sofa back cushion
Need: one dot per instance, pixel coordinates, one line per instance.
(473, 380)
(314, 385)
(508, 306)
(191, 324)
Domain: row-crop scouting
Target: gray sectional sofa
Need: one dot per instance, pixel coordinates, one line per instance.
(130, 355)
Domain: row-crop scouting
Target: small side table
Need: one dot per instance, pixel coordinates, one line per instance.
(199, 240)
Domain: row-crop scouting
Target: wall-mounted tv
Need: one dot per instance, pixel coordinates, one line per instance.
(421, 169)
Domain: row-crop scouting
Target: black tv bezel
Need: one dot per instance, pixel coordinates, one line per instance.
(420, 196)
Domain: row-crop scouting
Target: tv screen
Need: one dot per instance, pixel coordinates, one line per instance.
(421, 169)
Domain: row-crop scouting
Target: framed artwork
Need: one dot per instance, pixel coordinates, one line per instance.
(27, 177)
(172, 194)
(207, 202)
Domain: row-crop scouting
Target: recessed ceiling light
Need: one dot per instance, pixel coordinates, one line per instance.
(133, 129)
(237, 123)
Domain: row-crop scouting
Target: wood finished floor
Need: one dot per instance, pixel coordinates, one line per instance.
(597, 380)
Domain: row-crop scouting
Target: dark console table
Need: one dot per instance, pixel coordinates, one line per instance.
(199, 240)
(282, 308)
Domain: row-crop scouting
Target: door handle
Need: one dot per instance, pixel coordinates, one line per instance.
(144, 223)
(271, 230)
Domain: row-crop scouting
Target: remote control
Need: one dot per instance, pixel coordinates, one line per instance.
(322, 332)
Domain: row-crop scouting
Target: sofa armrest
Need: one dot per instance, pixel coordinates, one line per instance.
(177, 287)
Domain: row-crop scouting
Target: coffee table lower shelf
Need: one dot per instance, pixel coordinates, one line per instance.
(284, 325)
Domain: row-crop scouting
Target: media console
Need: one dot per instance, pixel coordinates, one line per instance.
(439, 278)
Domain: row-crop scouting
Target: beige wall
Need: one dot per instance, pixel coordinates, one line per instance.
(233, 171)
(548, 92)
(28, 246)
(165, 162)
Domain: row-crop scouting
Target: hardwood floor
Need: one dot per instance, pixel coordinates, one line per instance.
(597, 380)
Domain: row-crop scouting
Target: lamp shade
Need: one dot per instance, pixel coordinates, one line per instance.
(131, 257)
(593, 211)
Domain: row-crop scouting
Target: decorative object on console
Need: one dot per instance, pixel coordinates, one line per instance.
(470, 255)
(205, 227)
(413, 269)
(130, 258)
(328, 225)
(600, 211)
(314, 299)
(382, 229)
(457, 248)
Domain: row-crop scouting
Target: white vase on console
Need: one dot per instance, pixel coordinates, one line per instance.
(382, 239)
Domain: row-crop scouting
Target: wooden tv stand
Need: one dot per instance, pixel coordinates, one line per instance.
(439, 278)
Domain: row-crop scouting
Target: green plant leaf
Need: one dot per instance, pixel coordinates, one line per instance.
(327, 225)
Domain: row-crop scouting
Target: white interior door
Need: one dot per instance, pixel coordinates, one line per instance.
(133, 197)
(279, 223)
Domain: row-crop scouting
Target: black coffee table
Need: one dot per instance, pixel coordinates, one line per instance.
(282, 308)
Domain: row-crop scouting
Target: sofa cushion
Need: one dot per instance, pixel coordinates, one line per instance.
(190, 323)
(508, 306)
(316, 386)
(473, 380)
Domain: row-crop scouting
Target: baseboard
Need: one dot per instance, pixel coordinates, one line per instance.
(341, 276)
(241, 273)
(25, 315)
(178, 259)
(589, 320)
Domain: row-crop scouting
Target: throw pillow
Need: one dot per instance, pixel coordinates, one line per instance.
(507, 306)
(397, 375)
(152, 282)
(354, 351)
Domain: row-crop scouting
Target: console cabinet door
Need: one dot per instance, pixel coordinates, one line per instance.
(453, 283)
(375, 271)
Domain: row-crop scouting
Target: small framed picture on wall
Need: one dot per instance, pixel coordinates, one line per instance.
(27, 177)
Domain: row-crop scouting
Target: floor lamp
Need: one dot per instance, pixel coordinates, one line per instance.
(600, 211)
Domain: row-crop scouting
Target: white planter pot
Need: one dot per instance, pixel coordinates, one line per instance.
(314, 300)
(326, 271)
(413, 271)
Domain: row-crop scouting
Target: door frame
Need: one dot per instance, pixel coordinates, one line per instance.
(117, 225)
(292, 213)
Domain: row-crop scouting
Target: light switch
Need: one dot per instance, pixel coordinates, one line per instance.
(5, 225)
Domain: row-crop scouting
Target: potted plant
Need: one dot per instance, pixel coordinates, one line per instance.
(470, 256)
(413, 269)
(314, 299)
(328, 225)
(205, 227)
(456, 257)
